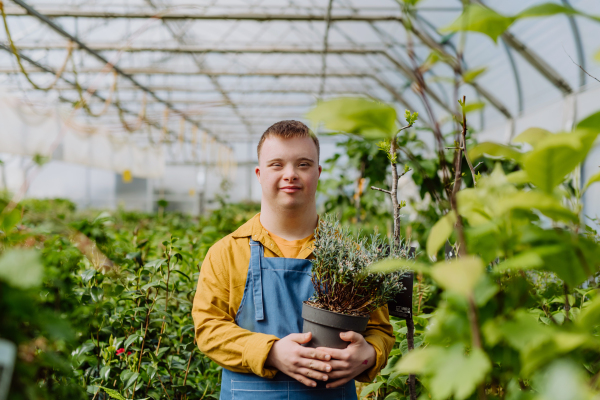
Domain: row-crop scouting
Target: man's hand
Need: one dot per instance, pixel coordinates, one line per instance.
(301, 363)
(351, 361)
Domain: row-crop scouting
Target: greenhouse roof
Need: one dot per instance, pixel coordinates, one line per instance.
(232, 68)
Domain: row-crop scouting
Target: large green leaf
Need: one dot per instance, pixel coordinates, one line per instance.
(458, 374)
(477, 18)
(553, 158)
(390, 265)
(532, 136)
(589, 318)
(10, 219)
(21, 268)
(591, 122)
(494, 150)
(459, 275)
(534, 200)
(440, 232)
(356, 115)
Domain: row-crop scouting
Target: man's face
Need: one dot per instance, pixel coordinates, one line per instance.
(288, 171)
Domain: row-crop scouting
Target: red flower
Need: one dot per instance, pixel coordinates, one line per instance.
(120, 351)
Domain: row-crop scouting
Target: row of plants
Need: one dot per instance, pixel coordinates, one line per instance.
(99, 304)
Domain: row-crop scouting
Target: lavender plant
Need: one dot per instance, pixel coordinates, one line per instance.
(339, 273)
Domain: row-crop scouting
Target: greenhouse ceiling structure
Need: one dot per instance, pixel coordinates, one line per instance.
(199, 82)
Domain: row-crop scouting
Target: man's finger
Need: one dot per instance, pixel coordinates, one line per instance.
(351, 336)
(339, 365)
(316, 365)
(308, 352)
(335, 375)
(304, 380)
(309, 373)
(334, 353)
(300, 338)
(337, 383)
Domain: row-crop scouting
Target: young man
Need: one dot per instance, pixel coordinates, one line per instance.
(247, 309)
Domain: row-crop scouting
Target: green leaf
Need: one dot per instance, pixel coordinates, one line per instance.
(494, 150)
(132, 379)
(518, 177)
(532, 136)
(595, 178)
(357, 115)
(112, 393)
(473, 106)
(589, 318)
(546, 10)
(10, 220)
(370, 388)
(440, 232)
(542, 202)
(526, 260)
(21, 268)
(458, 374)
(477, 18)
(459, 275)
(391, 265)
(471, 74)
(131, 339)
(417, 361)
(555, 156)
(182, 274)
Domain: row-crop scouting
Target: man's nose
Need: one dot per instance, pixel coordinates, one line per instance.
(290, 174)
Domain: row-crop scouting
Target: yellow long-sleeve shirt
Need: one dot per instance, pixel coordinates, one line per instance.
(219, 294)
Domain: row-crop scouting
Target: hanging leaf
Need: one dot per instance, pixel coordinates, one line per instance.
(459, 275)
(357, 115)
(546, 10)
(470, 107)
(477, 18)
(595, 178)
(555, 156)
(494, 150)
(532, 136)
(440, 232)
(518, 178)
(10, 220)
(458, 374)
(534, 200)
(471, 74)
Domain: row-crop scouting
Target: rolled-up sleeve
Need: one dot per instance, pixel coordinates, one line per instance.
(380, 335)
(217, 334)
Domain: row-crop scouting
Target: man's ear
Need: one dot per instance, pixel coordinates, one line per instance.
(257, 172)
(320, 170)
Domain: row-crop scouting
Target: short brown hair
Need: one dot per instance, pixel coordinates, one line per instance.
(286, 130)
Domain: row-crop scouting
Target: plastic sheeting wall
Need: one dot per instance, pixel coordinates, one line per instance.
(51, 132)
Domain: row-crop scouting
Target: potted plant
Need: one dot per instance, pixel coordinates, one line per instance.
(346, 292)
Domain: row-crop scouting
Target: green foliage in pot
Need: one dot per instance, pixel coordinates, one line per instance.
(339, 273)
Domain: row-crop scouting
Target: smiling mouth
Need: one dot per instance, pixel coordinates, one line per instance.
(290, 189)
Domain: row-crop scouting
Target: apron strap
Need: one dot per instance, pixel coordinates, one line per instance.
(256, 251)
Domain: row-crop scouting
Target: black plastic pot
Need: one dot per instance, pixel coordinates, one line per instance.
(326, 326)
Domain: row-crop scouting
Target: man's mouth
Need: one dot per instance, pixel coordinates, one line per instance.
(290, 189)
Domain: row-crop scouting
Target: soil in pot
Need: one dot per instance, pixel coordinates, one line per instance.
(326, 326)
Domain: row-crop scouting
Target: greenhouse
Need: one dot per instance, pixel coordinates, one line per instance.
(160, 192)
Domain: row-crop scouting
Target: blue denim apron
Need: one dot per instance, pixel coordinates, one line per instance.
(277, 310)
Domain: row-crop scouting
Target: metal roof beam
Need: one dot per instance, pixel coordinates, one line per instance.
(45, 69)
(43, 18)
(179, 15)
